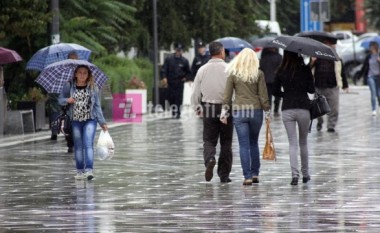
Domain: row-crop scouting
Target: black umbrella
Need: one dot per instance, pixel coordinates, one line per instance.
(264, 42)
(319, 36)
(305, 46)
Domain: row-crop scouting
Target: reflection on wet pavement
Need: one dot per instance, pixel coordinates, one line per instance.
(155, 182)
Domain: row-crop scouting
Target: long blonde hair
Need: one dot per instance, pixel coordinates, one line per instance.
(244, 66)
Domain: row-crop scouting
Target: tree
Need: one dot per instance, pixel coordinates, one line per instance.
(23, 21)
(372, 8)
(100, 25)
(181, 21)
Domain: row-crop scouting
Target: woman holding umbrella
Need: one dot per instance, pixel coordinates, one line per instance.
(82, 97)
(296, 80)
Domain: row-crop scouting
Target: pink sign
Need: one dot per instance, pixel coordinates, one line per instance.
(127, 108)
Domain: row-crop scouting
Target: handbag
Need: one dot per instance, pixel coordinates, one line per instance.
(319, 106)
(62, 124)
(269, 152)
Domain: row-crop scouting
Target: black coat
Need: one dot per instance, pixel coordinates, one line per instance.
(198, 61)
(296, 86)
(175, 69)
(269, 63)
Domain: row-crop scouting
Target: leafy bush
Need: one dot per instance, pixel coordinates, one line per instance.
(121, 70)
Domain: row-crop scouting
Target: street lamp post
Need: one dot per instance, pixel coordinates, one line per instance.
(54, 28)
(272, 10)
(155, 52)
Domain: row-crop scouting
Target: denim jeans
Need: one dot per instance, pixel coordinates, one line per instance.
(374, 87)
(83, 135)
(248, 124)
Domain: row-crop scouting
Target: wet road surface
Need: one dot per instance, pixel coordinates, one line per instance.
(155, 182)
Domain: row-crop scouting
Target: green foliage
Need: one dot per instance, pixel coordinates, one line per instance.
(205, 19)
(98, 24)
(23, 19)
(373, 12)
(121, 70)
(34, 94)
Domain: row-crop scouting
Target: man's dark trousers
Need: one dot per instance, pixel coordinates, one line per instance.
(213, 129)
(176, 97)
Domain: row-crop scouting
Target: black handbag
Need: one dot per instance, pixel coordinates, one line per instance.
(319, 106)
(62, 124)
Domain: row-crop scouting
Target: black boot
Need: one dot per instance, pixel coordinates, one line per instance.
(294, 181)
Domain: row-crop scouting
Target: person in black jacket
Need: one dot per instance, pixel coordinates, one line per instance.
(371, 71)
(200, 59)
(296, 80)
(329, 78)
(175, 72)
(269, 62)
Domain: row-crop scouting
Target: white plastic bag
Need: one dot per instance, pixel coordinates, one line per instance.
(105, 148)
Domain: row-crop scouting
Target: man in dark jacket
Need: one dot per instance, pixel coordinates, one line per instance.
(200, 59)
(175, 72)
(329, 78)
(269, 62)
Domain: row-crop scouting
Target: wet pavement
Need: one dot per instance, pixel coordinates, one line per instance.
(155, 182)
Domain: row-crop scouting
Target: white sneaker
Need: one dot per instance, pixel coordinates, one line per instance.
(373, 113)
(89, 175)
(79, 176)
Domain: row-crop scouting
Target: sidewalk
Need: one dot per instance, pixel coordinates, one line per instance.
(155, 181)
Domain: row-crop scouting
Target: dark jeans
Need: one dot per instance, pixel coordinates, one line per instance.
(213, 129)
(175, 97)
(276, 98)
(53, 116)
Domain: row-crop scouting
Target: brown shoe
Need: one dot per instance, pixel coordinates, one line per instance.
(209, 173)
(247, 182)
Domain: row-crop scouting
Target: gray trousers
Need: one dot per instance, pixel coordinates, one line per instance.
(332, 96)
(292, 118)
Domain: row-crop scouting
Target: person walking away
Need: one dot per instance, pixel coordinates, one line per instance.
(82, 96)
(207, 99)
(269, 63)
(296, 80)
(251, 98)
(200, 59)
(371, 71)
(176, 72)
(329, 78)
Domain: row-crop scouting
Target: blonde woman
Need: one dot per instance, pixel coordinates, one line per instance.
(251, 98)
(82, 97)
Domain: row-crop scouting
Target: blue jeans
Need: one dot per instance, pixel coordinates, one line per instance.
(248, 124)
(84, 135)
(374, 87)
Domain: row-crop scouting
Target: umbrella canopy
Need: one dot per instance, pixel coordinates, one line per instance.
(305, 46)
(234, 44)
(54, 53)
(365, 42)
(54, 76)
(319, 36)
(265, 42)
(8, 56)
